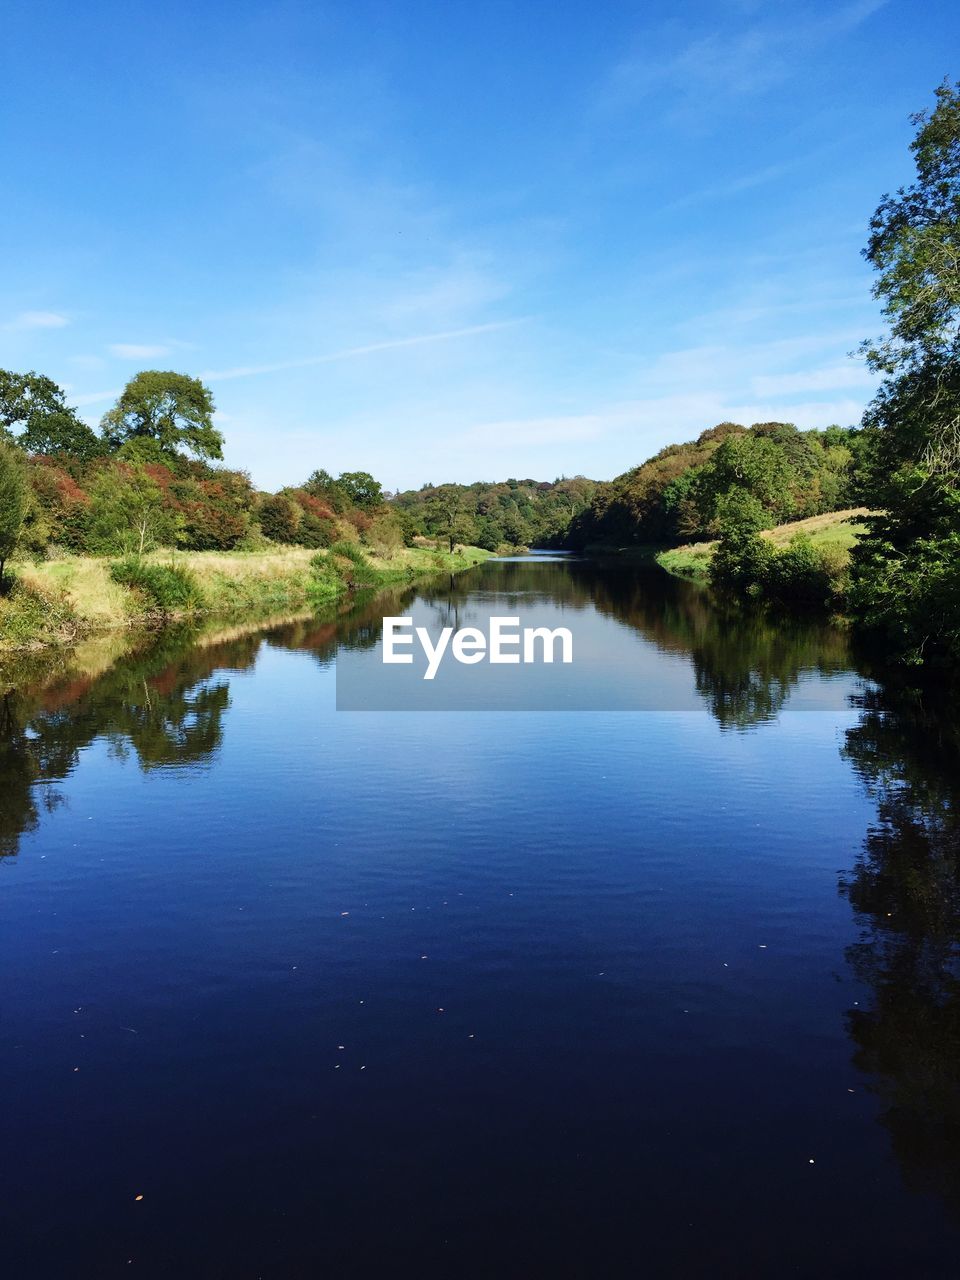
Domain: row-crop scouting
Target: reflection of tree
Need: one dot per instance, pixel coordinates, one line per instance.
(160, 703)
(155, 702)
(18, 809)
(745, 661)
(905, 890)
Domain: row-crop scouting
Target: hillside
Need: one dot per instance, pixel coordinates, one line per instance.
(682, 493)
(834, 530)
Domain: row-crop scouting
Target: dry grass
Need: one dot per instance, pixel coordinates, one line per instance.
(87, 587)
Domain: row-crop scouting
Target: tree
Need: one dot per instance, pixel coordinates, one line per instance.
(171, 409)
(754, 463)
(47, 425)
(127, 512)
(448, 515)
(13, 502)
(906, 571)
(361, 488)
(280, 518)
(323, 486)
(742, 558)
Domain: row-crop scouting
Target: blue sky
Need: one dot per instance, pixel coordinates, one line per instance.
(454, 241)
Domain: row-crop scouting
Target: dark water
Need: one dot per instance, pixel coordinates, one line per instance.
(662, 993)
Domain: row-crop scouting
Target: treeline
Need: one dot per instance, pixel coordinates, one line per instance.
(686, 491)
(151, 478)
(515, 513)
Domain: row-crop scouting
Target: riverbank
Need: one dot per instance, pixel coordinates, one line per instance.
(58, 602)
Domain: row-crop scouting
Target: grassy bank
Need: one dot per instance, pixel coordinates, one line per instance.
(60, 601)
(837, 530)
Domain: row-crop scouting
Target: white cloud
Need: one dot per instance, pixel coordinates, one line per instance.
(137, 350)
(38, 320)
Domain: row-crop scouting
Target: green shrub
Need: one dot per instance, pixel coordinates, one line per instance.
(349, 550)
(31, 615)
(164, 586)
(800, 575)
(326, 578)
(741, 562)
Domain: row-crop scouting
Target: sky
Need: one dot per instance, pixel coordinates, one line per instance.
(457, 241)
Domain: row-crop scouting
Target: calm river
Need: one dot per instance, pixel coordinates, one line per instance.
(289, 991)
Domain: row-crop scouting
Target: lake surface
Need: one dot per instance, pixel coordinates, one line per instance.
(661, 992)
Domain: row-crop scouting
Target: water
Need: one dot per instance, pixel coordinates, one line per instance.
(669, 992)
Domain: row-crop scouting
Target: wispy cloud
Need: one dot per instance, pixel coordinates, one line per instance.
(730, 63)
(138, 350)
(37, 320)
(351, 353)
(332, 357)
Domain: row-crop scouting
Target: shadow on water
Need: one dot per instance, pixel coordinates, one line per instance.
(166, 701)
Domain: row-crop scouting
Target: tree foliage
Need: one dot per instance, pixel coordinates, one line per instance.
(512, 513)
(906, 572)
(13, 502)
(34, 408)
(171, 410)
(680, 493)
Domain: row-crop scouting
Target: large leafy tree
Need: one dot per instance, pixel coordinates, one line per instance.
(13, 502)
(906, 573)
(169, 413)
(34, 409)
(361, 488)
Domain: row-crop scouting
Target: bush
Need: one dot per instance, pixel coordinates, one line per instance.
(280, 518)
(385, 536)
(164, 586)
(741, 562)
(326, 580)
(32, 614)
(349, 550)
(910, 598)
(800, 575)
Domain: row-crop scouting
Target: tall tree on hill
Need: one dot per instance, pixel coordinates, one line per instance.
(906, 573)
(164, 413)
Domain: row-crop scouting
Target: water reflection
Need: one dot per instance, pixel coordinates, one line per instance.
(164, 698)
(158, 702)
(164, 701)
(905, 892)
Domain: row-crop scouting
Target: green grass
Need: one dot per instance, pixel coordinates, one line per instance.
(837, 530)
(32, 616)
(56, 601)
(171, 588)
